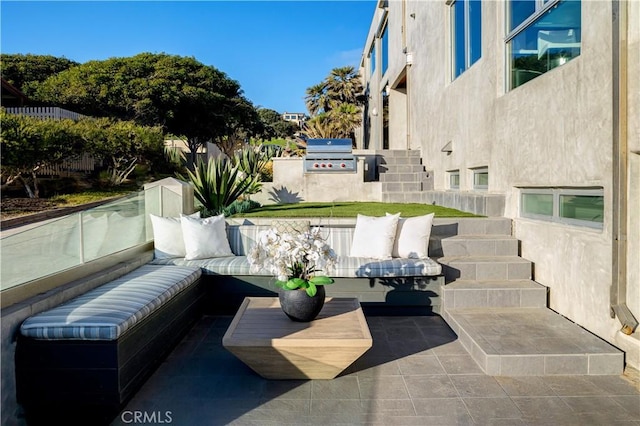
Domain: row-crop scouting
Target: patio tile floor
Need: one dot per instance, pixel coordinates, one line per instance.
(417, 373)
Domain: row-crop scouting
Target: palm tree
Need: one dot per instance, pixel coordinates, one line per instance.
(344, 85)
(345, 118)
(333, 105)
(316, 99)
(320, 127)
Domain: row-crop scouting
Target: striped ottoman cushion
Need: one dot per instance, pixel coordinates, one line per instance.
(106, 312)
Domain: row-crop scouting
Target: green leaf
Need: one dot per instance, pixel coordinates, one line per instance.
(321, 280)
(312, 289)
(294, 283)
(281, 284)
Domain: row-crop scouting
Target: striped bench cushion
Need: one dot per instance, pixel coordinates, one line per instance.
(364, 267)
(346, 267)
(106, 312)
(234, 265)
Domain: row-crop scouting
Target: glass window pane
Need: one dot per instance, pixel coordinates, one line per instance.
(385, 49)
(481, 179)
(549, 42)
(539, 204)
(372, 58)
(519, 11)
(475, 30)
(582, 207)
(454, 180)
(457, 23)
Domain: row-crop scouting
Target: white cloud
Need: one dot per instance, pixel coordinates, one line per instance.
(346, 57)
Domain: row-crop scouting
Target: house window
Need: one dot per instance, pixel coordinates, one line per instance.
(466, 34)
(385, 49)
(572, 206)
(372, 58)
(542, 35)
(454, 179)
(481, 178)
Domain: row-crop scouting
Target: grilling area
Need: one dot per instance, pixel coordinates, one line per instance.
(331, 170)
(329, 156)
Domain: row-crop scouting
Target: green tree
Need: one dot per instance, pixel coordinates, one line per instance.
(28, 144)
(274, 126)
(241, 123)
(334, 106)
(25, 71)
(180, 94)
(343, 85)
(120, 144)
(317, 99)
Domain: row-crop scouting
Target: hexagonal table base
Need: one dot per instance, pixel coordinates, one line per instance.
(265, 339)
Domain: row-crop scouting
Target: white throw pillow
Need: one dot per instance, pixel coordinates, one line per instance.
(205, 238)
(167, 236)
(412, 237)
(374, 236)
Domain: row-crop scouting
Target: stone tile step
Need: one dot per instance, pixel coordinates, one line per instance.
(451, 227)
(402, 197)
(484, 268)
(386, 153)
(489, 294)
(474, 245)
(401, 177)
(415, 160)
(387, 169)
(531, 342)
(392, 187)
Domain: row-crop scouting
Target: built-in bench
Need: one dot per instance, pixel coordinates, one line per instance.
(406, 285)
(94, 351)
(90, 355)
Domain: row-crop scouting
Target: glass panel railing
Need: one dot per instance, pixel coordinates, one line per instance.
(40, 251)
(72, 240)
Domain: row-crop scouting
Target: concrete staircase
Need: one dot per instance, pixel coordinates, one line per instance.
(500, 314)
(402, 175)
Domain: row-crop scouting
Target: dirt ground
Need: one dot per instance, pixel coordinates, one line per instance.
(12, 207)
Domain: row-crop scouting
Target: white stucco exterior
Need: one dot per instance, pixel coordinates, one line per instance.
(555, 131)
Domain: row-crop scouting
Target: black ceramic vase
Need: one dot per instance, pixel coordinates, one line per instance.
(299, 306)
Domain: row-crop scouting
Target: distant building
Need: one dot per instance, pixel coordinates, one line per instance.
(296, 117)
(12, 96)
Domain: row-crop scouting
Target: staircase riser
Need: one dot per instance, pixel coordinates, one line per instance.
(494, 298)
(401, 187)
(396, 168)
(472, 226)
(398, 153)
(400, 160)
(399, 197)
(487, 271)
(401, 177)
(460, 247)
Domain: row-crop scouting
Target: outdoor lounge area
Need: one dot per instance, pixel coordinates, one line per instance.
(416, 373)
(461, 336)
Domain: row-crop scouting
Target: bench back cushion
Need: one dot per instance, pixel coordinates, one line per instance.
(106, 312)
(243, 237)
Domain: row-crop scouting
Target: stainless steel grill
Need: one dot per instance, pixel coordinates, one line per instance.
(329, 156)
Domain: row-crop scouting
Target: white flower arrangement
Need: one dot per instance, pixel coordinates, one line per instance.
(294, 258)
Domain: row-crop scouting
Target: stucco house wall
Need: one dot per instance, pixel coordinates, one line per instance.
(553, 131)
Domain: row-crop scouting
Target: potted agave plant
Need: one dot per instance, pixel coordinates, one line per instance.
(295, 259)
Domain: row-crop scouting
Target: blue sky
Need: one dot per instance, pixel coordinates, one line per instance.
(275, 49)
